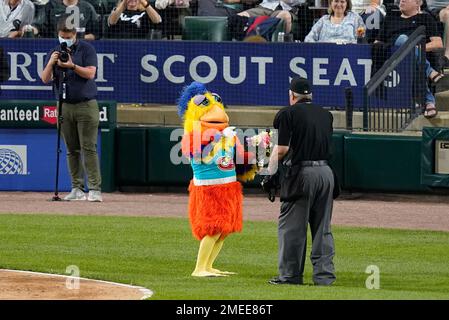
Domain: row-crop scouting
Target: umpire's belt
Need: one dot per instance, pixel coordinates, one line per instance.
(313, 163)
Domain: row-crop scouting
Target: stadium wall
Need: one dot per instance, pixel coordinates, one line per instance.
(386, 163)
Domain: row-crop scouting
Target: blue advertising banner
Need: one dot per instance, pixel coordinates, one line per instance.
(242, 73)
(28, 160)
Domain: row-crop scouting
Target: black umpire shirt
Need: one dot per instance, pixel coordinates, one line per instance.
(307, 129)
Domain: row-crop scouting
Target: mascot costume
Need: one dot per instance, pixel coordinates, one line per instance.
(218, 159)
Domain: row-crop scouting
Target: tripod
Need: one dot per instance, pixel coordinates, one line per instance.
(62, 96)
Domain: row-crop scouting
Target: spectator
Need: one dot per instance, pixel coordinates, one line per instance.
(132, 19)
(395, 31)
(222, 8)
(88, 18)
(340, 25)
(14, 15)
(283, 9)
(372, 13)
(440, 10)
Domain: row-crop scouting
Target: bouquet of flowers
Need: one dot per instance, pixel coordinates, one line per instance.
(261, 140)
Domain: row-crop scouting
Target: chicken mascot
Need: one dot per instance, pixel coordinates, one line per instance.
(217, 159)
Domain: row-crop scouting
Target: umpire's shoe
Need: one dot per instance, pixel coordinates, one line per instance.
(277, 280)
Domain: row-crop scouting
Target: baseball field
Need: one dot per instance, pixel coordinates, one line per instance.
(387, 247)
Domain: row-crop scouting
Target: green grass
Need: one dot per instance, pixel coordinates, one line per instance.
(160, 254)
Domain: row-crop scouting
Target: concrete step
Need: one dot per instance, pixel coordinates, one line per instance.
(240, 116)
(441, 120)
(252, 117)
(166, 115)
(442, 101)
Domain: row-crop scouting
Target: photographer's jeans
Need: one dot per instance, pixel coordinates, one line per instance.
(80, 131)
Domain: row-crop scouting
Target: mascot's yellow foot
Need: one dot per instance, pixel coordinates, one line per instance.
(206, 274)
(212, 270)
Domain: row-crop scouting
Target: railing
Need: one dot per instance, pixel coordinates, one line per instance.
(379, 114)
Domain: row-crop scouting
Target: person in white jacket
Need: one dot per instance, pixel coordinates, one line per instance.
(14, 15)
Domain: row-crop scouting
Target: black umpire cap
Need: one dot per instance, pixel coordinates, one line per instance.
(300, 85)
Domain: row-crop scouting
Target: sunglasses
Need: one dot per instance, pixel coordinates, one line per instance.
(202, 100)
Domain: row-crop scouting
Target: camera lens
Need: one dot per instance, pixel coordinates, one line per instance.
(63, 56)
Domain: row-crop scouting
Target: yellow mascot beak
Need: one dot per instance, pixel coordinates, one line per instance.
(215, 118)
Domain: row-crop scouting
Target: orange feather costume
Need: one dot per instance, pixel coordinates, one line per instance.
(215, 201)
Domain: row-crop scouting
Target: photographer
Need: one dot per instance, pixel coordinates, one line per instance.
(77, 60)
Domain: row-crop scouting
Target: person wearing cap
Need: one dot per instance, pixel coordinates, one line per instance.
(307, 185)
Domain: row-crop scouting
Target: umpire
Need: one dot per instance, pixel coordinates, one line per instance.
(305, 133)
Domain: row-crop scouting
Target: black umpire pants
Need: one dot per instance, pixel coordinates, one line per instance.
(314, 207)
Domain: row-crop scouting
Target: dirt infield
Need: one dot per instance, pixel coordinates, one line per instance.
(22, 285)
(425, 212)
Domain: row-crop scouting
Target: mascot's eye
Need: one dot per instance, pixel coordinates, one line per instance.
(217, 97)
(201, 100)
(205, 102)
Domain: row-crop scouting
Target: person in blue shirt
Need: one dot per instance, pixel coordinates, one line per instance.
(340, 25)
(80, 111)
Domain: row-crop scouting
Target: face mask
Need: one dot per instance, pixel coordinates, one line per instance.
(69, 42)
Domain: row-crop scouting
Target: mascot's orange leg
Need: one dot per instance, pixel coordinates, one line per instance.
(205, 251)
(215, 251)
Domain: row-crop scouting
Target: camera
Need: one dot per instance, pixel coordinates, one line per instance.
(64, 53)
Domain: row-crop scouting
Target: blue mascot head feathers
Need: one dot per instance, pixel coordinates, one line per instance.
(188, 93)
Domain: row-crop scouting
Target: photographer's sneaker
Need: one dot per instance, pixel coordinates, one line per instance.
(75, 195)
(95, 196)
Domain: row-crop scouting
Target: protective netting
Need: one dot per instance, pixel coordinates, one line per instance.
(149, 54)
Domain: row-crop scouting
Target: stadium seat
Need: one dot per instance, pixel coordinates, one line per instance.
(98, 6)
(206, 28)
(103, 6)
(39, 17)
(306, 17)
(104, 27)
